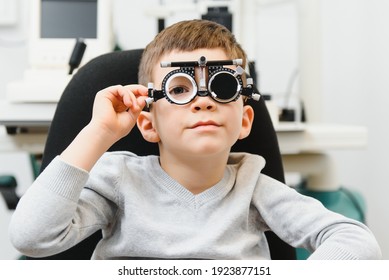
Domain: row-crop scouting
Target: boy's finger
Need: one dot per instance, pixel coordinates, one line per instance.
(140, 94)
(126, 96)
(137, 90)
(132, 96)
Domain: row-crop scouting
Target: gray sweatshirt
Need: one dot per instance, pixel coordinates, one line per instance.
(144, 213)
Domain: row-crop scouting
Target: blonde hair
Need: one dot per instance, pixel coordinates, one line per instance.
(188, 36)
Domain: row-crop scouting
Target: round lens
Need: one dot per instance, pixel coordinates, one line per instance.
(224, 86)
(180, 88)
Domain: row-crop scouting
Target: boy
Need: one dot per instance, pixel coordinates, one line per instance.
(196, 200)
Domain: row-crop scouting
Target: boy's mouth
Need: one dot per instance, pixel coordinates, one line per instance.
(205, 123)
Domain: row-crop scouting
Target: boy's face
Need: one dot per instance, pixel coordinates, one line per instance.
(201, 127)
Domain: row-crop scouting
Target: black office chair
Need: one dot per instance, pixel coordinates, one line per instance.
(8, 186)
(74, 111)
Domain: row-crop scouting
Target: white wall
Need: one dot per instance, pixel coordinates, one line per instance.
(13, 49)
(355, 91)
(354, 65)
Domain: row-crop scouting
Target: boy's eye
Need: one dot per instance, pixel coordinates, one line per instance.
(177, 90)
(180, 88)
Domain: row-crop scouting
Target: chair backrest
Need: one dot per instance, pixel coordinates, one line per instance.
(74, 111)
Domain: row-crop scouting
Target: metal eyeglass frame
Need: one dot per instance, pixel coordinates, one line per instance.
(216, 88)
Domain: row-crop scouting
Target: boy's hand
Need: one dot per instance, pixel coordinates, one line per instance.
(115, 112)
(116, 109)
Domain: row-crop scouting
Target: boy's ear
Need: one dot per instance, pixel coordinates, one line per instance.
(247, 121)
(146, 127)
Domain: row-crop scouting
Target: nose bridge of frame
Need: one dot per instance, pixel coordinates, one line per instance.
(201, 78)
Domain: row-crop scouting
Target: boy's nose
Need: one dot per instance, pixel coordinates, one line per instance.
(203, 103)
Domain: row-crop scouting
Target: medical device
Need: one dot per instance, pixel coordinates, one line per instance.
(56, 24)
(222, 84)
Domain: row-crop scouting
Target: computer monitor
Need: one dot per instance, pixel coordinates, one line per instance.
(56, 24)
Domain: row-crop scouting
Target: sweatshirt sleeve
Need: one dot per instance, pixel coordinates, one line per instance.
(304, 222)
(58, 211)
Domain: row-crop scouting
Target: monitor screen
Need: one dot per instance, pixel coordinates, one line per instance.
(57, 24)
(69, 19)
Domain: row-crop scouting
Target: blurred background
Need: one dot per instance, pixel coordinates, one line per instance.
(325, 60)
